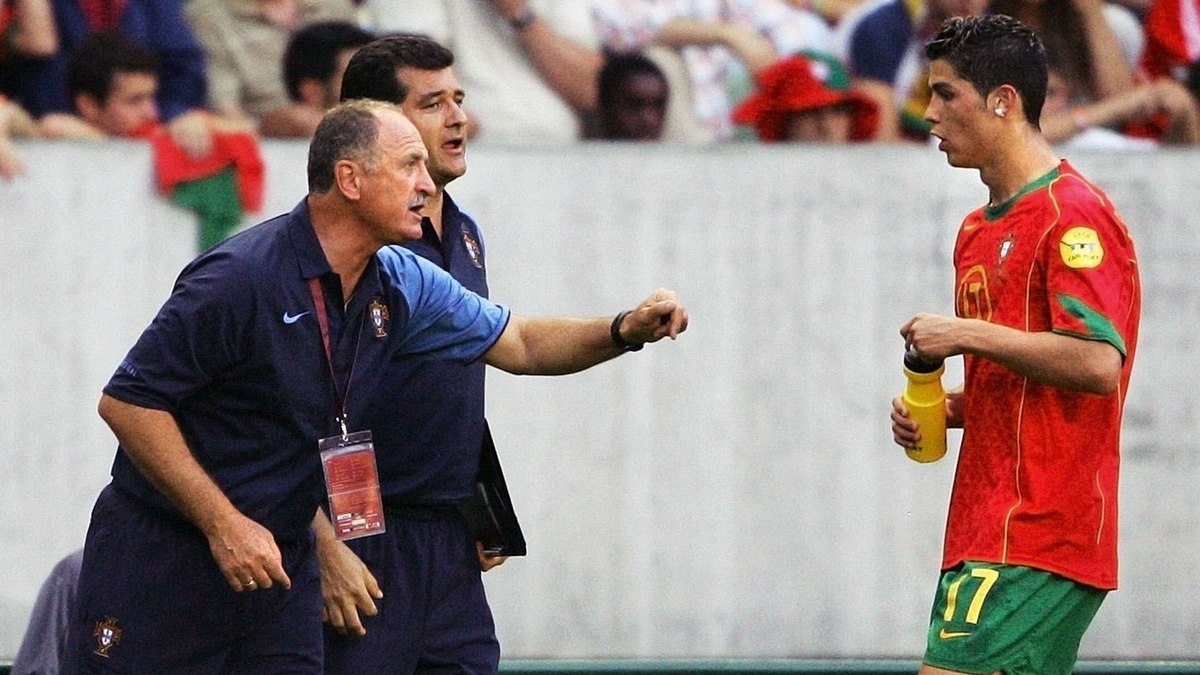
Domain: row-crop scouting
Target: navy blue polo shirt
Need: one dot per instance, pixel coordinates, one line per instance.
(235, 355)
(427, 414)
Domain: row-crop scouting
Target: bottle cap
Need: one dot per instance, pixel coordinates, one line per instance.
(918, 365)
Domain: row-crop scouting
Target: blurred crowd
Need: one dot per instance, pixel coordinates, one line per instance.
(204, 78)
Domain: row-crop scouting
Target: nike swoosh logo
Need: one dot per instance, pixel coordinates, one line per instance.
(946, 635)
(290, 319)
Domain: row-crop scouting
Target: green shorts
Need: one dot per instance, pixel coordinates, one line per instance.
(1006, 618)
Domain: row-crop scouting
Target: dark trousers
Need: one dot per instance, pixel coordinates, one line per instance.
(434, 616)
(152, 600)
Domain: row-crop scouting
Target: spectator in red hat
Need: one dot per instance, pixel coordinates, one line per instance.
(806, 98)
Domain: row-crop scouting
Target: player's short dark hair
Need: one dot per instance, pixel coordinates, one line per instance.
(312, 52)
(349, 130)
(94, 64)
(372, 70)
(992, 50)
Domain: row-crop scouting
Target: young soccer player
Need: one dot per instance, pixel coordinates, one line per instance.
(1046, 318)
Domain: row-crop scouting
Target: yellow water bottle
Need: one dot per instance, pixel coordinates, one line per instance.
(926, 403)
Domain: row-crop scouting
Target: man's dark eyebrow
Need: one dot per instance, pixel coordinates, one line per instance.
(429, 96)
(942, 88)
(433, 95)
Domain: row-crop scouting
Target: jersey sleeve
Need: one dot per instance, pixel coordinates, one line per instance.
(445, 319)
(1091, 271)
(198, 335)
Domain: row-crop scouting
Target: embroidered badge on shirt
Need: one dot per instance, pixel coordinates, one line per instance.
(107, 635)
(1080, 248)
(379, 317)
(1006, 247)
(473, 248)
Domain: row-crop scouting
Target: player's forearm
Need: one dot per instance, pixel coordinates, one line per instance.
(1049, 358)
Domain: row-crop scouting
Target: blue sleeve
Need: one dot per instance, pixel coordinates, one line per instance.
(160, 25)
(198, 336)
(878, 43)
(444, 319)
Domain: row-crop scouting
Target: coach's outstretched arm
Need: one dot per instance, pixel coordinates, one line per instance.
(557, 346)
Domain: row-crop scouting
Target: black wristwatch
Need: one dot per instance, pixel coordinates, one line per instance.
(615, 331)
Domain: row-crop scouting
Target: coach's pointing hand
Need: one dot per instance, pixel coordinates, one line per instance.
(660, 315)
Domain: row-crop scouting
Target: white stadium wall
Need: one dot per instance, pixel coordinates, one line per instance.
(732, 494)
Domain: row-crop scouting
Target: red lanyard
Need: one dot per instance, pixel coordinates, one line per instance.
(341, 393)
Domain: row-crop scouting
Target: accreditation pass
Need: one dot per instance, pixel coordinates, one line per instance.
(352, 481)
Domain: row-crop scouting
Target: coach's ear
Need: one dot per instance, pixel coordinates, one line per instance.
(347, 175)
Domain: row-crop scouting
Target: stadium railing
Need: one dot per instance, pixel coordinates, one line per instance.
(799, 667)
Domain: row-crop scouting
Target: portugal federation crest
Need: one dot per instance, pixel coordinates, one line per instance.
(473, 248)
(379, 317)
(1006, 247)
(107, 635)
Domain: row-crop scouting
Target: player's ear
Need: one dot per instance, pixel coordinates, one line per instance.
(1004, 101)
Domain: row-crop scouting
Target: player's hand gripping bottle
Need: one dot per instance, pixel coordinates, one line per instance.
(926, 403)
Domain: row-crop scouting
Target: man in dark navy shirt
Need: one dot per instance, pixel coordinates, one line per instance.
(199, 557)
(428, 420)
(412, 599)
(218, 408)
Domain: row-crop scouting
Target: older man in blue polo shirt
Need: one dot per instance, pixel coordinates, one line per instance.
(199, 557)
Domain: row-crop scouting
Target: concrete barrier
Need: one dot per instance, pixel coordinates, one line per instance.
(732, 495)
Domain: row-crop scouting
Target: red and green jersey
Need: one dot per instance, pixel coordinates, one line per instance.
(1036, 482)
